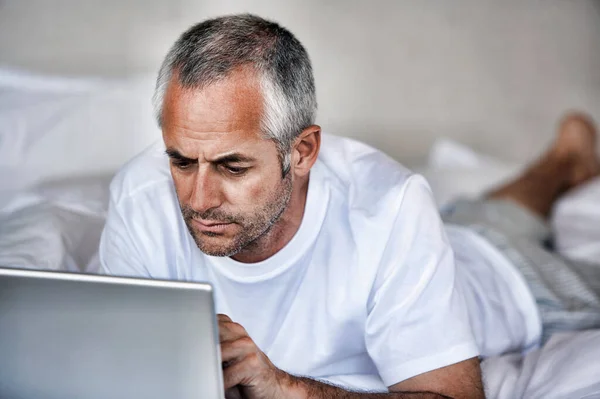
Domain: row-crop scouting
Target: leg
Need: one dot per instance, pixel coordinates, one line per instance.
(513, 217)
(520, 208)
(569, 162)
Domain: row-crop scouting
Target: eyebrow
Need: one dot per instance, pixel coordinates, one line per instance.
(233, 158)
(176, 155)
(225, 159)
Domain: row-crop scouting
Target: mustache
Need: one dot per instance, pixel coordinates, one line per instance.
(210, 214)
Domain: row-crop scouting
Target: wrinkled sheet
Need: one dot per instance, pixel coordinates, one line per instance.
(55, 225)
(567, 367)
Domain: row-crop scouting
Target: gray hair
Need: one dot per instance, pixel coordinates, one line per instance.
(210, 50)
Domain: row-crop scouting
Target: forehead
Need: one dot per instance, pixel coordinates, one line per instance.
(221, 116)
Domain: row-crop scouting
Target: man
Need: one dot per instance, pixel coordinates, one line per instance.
(329, 260)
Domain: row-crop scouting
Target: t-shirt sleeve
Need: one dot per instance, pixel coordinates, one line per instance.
(417, 319)
(120, 254)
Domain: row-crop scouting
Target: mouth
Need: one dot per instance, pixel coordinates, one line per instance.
(209, 226)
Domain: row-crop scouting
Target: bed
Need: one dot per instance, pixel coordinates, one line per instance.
(61, 140)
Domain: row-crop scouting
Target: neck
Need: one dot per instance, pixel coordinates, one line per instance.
(281, 232)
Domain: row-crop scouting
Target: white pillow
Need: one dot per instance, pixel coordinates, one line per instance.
(455, 170)
(31, 106)
(57, 127)
(576, 223)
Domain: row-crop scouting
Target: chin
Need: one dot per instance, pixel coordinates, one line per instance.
(220, 252)
(214, 245)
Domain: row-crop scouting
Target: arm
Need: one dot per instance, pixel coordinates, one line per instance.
(307, 388)
(248, 373)
(460, 380)
(418, 332)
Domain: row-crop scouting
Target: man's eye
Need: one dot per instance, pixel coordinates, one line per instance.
(235, 170)
(181, 164)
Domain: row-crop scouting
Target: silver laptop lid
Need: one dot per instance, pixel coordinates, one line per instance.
(66, 335)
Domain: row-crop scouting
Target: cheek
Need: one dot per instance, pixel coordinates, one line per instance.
(250, 193)
(184, 185)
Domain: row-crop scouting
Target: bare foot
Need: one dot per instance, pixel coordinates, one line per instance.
(576, 142)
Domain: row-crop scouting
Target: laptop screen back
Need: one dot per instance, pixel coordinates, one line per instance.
(94, 337)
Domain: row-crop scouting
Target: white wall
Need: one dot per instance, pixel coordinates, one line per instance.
(397, 74)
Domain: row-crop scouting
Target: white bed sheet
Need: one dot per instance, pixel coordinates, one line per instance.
(567, 367)
(55, 225)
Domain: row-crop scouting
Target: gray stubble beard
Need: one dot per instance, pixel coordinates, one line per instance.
(253, 231)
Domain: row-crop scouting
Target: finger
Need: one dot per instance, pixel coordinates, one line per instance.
(230, 331)
(223, 317)
(235, 350)
(237, 374)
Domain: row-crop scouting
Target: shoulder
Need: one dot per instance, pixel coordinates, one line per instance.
(370, 180)
(144, 224)
(146, 172)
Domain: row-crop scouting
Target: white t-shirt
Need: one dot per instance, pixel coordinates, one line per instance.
(364, 294)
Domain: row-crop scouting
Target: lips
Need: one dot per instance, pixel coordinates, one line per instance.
(211, 226)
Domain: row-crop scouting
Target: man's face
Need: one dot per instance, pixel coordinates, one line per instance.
(227, 176)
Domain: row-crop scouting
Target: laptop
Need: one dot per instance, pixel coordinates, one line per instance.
(65, 335)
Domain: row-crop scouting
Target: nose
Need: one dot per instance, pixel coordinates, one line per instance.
(206, 193)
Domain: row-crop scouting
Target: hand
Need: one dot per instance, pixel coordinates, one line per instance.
(247, 371)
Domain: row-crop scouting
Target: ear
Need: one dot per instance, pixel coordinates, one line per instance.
(306, 150)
